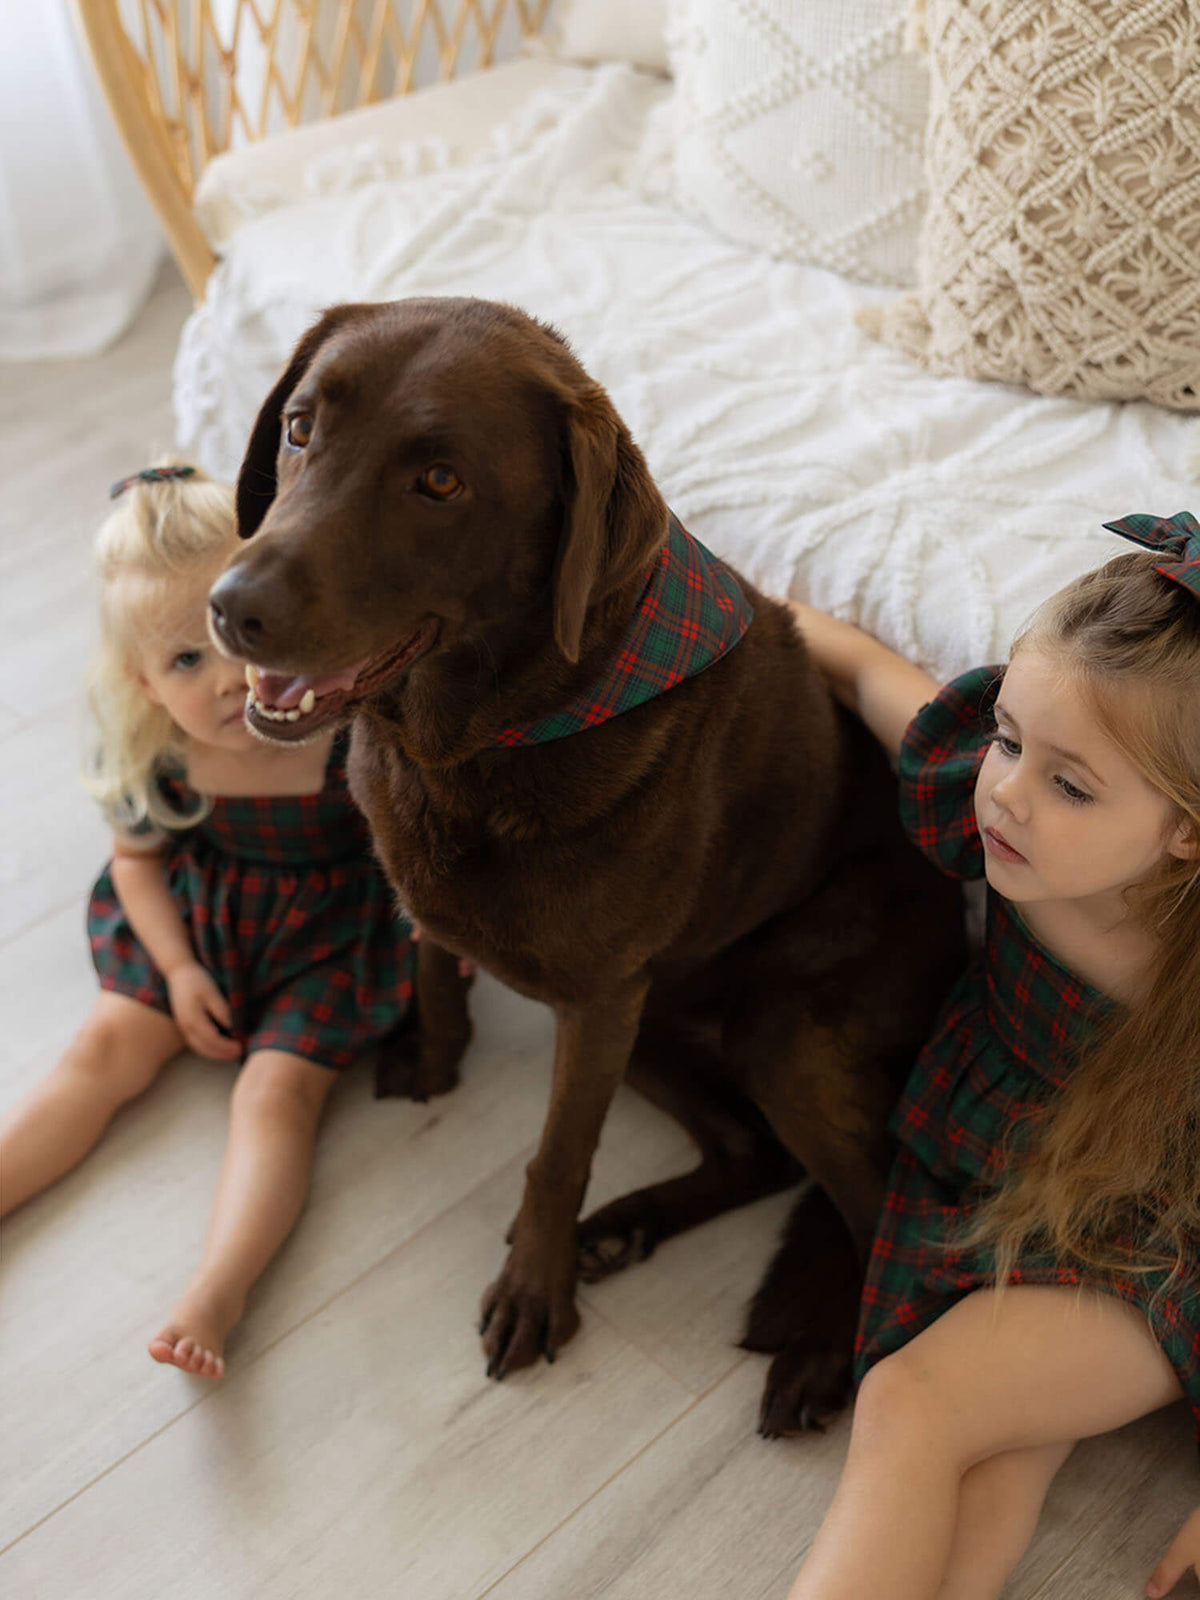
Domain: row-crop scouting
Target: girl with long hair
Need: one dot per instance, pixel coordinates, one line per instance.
(1036, 1273)
(242, 914)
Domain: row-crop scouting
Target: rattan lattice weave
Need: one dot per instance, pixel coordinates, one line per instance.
(187, 79)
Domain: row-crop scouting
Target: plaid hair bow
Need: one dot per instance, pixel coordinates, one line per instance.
(150, 475)
(1178, 536)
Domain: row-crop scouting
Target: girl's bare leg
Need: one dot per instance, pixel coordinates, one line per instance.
(1032, 1368)
(999, 1503)
(114, 1056)
(273, 1116)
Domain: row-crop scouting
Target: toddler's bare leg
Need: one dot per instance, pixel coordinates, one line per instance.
(998, 1508)
(114, 1056)
(1032, 1368)
(273, 1117)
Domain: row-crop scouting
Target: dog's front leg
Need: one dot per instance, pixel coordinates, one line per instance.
(530, 1309)
(423, 1061)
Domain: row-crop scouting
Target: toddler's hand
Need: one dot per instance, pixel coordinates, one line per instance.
(195, 1003)
(1183, 1556)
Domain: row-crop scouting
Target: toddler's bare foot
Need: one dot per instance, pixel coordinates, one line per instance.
(193, 1336)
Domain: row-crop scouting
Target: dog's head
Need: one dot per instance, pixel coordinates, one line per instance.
(426, 476)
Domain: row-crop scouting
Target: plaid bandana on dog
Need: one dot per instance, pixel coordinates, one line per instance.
(692, 612)
(1178, 536)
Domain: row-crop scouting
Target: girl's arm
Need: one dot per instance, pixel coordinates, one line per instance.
(885, 689)
(197, 1003)
(140, 879)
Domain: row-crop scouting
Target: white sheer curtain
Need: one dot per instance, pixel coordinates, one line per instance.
(79, 245)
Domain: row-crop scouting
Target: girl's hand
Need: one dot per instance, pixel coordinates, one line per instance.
(851, 660)
(836, 648)
(1183, 1556)
(881, 687)
(197, 1006)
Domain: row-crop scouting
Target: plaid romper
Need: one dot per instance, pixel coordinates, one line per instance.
(291, 914)
(1007, 1037)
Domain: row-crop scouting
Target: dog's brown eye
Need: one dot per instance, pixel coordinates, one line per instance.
(299, 429)
(442, 482)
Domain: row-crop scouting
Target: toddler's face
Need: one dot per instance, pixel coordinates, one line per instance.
(1063, 814)
(181, 671)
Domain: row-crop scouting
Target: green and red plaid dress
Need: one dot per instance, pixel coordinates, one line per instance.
(1008, 1036)
(291, 914)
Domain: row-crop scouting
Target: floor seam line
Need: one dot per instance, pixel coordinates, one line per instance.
(612, 1477)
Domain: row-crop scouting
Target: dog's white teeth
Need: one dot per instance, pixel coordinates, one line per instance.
(252, 676)
(294, 715)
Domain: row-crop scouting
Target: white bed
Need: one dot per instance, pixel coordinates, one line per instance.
(934, 511)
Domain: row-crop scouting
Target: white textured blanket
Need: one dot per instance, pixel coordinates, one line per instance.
(934, 511)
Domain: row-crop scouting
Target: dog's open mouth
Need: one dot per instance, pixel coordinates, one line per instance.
(293, 706)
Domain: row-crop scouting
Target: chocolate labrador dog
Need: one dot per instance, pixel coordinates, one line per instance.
(454, 538)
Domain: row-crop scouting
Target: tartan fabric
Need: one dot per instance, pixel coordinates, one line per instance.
(309, 950)
(692, 612)
(936, 773)
(914, 1277)
(1007, 1037)
(1178, 536)
(288, 829)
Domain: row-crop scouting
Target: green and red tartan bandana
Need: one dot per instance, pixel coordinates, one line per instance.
(1178, 536)
(691, 613)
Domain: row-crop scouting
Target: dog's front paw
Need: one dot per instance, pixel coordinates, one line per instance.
(806, 1387)
(413, 1066)
(520, 1322)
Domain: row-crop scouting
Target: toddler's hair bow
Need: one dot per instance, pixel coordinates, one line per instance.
(150, 475)
(1178, 536)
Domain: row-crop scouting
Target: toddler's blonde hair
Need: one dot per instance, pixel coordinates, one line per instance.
(158, 534)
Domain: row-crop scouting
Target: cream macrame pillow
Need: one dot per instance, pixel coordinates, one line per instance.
(1061, 246)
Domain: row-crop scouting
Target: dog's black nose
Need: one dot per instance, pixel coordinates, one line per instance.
(233, 613)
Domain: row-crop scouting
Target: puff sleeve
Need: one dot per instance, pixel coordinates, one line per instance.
(940, 757)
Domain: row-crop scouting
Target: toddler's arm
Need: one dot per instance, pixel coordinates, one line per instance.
(883, 688)
(141, 883)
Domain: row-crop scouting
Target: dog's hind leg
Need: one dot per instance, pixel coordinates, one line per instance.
(740, 1158)
(814, 1271)
(827, 1095)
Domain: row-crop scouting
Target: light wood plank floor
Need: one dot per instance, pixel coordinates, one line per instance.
(355, 1447)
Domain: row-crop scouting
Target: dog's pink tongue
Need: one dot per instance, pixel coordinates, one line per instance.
(281, 693)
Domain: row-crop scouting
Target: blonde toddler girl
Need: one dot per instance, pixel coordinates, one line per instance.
(242, 914)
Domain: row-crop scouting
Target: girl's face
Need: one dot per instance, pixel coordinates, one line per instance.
(1063, 814)
(204, 692)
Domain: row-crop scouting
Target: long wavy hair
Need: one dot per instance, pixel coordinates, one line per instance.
(159, 534)
(1107, 1174)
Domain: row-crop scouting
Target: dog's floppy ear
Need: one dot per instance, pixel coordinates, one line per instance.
(257, 482)
(616, 519)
